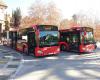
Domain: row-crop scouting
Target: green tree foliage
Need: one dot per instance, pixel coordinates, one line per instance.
(16, 18)
(7, 23)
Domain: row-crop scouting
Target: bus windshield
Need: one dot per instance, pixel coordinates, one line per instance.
(87, 37)
(48, 38)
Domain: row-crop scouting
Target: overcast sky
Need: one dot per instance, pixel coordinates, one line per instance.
(67, 7)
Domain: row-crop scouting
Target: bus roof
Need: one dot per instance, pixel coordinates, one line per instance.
(75, 29)
(35, 26)
(43, 25)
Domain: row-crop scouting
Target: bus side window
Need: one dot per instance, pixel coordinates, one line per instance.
(24, 38)
(67, 39)
(75, 38)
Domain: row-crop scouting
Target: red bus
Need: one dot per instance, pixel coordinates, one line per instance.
(78, 39)
(40, 40)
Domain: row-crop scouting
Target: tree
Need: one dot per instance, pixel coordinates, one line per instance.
(88, 18)
(66, 24)
(54, 16)
(7, 22)
(27, 21)
(16, 18)
(45, 13)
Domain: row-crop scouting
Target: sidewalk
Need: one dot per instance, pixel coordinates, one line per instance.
(10, 60)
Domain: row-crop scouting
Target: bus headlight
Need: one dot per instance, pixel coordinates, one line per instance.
(58, 49)
(83, 48)
(40, 52)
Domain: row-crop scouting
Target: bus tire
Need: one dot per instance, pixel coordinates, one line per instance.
(25, 50)
(63, 48)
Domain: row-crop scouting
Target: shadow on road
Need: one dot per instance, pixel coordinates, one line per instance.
(65, 66)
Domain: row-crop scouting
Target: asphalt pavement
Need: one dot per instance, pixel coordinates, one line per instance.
(65, 66)
(10, 60)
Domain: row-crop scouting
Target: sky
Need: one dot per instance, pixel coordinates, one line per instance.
(67, 7)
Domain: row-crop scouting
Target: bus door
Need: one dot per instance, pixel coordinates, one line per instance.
(74, 41)
(31, 42)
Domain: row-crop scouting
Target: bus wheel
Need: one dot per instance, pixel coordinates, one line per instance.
(25, 50)
(63, 48)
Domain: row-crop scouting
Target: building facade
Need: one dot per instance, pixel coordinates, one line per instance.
(3, 7)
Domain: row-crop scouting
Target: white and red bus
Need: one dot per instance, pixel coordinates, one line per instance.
(78, 39)
(40, 40)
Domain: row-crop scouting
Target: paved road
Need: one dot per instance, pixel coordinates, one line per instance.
(9, 62)
(65, 66)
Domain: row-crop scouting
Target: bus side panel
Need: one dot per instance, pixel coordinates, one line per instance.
(87, 48)
(63, 43)
(47, 50)
(20, 46)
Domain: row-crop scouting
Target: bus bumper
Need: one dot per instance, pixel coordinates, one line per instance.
(87, 48)
(47, 51)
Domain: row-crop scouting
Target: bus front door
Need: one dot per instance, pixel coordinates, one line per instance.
(74, 44)
(31, 42)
